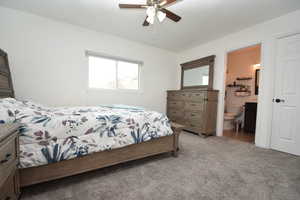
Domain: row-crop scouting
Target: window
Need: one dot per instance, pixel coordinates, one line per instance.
(110, 73)
(204, 80)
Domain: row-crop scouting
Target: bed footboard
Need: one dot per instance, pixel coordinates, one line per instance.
(34, 175)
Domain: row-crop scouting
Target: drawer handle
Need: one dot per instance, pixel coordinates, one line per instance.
(6, 159)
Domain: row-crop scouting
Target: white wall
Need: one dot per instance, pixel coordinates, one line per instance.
(48, 63)
(264, 33)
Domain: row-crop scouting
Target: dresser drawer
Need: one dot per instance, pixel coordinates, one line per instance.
(9, 190)
(212, 96)
(8, 157)
(194, 106)
(194, 126)
(194, 96)
(175, 113)
(175, 104)
(197, 96)
(185, 96)
(194, 116)
(174, 96)
(180, 121)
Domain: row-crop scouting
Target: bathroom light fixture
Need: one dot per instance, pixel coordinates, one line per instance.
(256, 66)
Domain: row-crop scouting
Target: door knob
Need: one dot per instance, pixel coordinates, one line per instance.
(278, 100)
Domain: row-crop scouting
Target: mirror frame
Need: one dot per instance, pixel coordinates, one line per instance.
(257, 74)
(209, 60)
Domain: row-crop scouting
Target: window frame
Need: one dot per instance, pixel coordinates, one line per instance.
(116, 59)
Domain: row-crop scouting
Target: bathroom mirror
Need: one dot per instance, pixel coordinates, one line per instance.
(198, 73)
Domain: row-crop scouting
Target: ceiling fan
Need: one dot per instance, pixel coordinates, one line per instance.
(155, 8)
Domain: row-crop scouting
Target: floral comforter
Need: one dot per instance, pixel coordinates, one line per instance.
(51, 135)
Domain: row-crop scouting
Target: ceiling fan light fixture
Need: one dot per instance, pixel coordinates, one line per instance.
(151, 11)
(161, 16)
(150, 20)
(155, 9)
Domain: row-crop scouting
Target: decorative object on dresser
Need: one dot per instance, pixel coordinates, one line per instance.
(195, 105)
(9, 158)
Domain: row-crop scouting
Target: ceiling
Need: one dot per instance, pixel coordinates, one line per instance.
(202, 20)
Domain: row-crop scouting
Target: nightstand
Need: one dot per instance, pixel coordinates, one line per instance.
(9, 158)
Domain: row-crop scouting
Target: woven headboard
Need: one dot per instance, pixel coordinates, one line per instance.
(6, 86)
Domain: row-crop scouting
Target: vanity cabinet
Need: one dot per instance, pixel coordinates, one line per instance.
(195, 109)
(250, 117)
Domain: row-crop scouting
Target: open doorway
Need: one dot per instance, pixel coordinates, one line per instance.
(241, 94)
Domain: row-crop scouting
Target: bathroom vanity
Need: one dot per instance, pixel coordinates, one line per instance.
(250, 117)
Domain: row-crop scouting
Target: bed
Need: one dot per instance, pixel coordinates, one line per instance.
(64, 141)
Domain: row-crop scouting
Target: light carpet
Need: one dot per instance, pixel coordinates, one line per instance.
(214, 168)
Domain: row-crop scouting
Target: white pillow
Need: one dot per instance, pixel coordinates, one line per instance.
(7, 114)
(31, 103)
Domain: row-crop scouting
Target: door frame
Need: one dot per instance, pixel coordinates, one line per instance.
(274, 43)
(222, 94)
(266, 90)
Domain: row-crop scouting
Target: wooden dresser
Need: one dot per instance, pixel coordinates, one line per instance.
(9, 158)
(195, 109)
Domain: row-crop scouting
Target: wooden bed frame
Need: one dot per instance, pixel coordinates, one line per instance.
(34, 175)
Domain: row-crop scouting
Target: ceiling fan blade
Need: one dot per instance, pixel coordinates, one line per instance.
(133, 6)
(171, 15)
(146, 23)
(166, 2)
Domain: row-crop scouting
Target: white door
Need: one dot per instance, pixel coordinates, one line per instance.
(286, 102)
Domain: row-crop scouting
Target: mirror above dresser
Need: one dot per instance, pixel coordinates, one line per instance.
(195, 105)
(198, 74)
